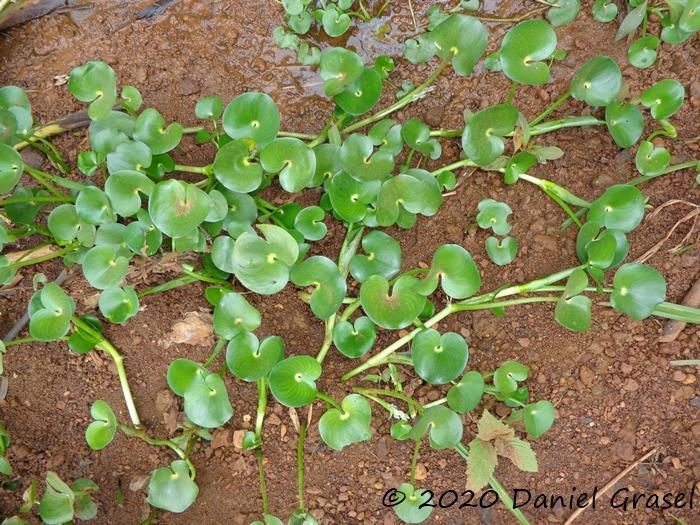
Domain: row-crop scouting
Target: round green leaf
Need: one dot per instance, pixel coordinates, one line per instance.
(466, 395)
(292, 159)
(410, 508)
(524, 49)
(131, 98)
(462, 39)
(93, 206)
(104, 268)
(517, 165)
(359, 160)
(637, 290)
(502, 252)
(454, 267)
(292, 380)
(383, 257)
(538, 418)
(642, 52)
(182, 373)
(565, 12)
(395, 310)
(207, 403)
(416, 134)
(444, 425)
(56, 505)
(664, 98)
(309, 222)
(690, 18)
(119, 305)
(100, 432)
(597, 82)
(252, 116)
(339, 68)
(621, 207)
(574, 313)
(354, 340)
(420, 50)
(129, 155)
(209, 108)
(625, 123)
(507, 376)
(601, 248)
(335, 23)
(481, 139)
(362, 95)
(233, 314)
(340, 429)
(235, 169)
(439, 359)
(249, 359)
(150, 129)
(327, 163)
(494, 214)
(349, 197)
(11, 168)
(171, 488)
(123, 188)
(651, 161)
(604, 10)
(177, 207)
(94, 82)
(329, 286)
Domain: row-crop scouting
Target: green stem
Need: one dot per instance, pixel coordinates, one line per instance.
(511, 92)
(679, 312)
(200, 170)
(328, 399)
(464, 163)
(23, 340)
(566, 122)
(415, 94)
(169, 285)
(327, 338)
(414, 462)
(36, 260)
(685, 362)
(218, 347)
(676, 167)
(302, 136)
(140, 433)
(31, 200)
(300, 466)
(350, 309)
(551, 188)
(550, 109)
(260, 417)
(109, 349)
(44, 179)
(415, 405)
(195, 129)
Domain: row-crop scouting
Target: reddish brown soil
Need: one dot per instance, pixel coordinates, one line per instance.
(617, 397)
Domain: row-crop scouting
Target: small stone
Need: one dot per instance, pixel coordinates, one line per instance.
(624, 450)
(138, 482)
(695, 429)
(630, 385)
(188, 87)
(524, 342)
(690, 379)
(677, 463)
(679, 376)
(421, 472)
(690, 259)
(238, 436)
(547, 242)
(221, 438)
(605, 440)
(626, 368)
(195, 329)
(587, 376)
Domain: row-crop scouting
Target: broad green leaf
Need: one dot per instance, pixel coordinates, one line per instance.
(461, 39)
(292, 159)
(309, 222)
(354, 340)
(252, 116)
(234, 314)
(481, 463)
(131, 98)
(456, 271)
(129, 155)
(395, 309)
(604, 10)
(362, 95)
(123, 188)
(419, 50)
(416, 134)
(642, 52)
(597, 82)
(100, 432)
(438, 359)
(249, 359)
(690, 19)
(494, 214)
(93, 207)
(339, 429)
(519, 164)
(207, 403)
(625, 123)
(524, 49)
(442, 424)
(177, 207)
(565, 12)
(327, 163)
(664, 98)
(292, 380)
(50, 318)
(171, 488)
(209, 108)
(466, 395)
(94, 82)
(339, 68)
(360, 161)
(104, 268)
(406, 194)
(632, 21)
(150, 129)
(637, 290)
(651, 161)
(335, 23)
(621, 207)
(576, 283)
(329, 286)
(502, 252)
(56, 505)
(481, 139)
(235, 168)
(119, 305)
(11, 168)
(410, 508)
(383, 257)
(602, 249)
(507, 376)
(539, 417)
(182, 373)
(350, 197)
(574, 313)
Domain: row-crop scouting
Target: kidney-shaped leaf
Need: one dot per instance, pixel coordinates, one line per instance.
(235, 169)
(383, 257)
(409, 504)
(354, 340)
(207, 403)
(538, 417)
(249, 359)
(340, 429)
(454, 267)
(104, 268)
(466, 395)
(523, 49)
(359, 160)
(637, 290)
(177, 208)
(461, 38)
(292, 159)
(329, 286)
(625, 123)
(481, 139)
(252, 116)
(233, 314)
(11, 168)
(621, 207)
(339, 68)
(171, 488)
(94, 82)
(664, 98)
(361, 96)
(101, 431)
(391, 310)
(292, 380)
(439, 359)
(123, 188)
(574, 313)
(597, 82)
(444, 425)
(650, 160)
(150, 129)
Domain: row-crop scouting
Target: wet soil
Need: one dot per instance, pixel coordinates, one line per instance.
(616, 395)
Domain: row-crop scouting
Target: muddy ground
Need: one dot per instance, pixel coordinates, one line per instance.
(616, 395)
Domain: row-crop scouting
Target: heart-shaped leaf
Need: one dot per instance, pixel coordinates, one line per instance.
(362, 95)
(574, 313)
(182, 373)
(625, 123)
(383, 257)
(56, 505)
(252, 116)
(637, 290)
(209, 108)
(642, 53)
(502, 252)
(292, 159)
(538, 417)
(391, 310)
(416, 134)
(235, 168)
(94, 82)
(664, 98)
(481, 139)
(462, 39)
(171, 488)
(494, 214)
(123, 188)
(604, 10)
(292, 380)
(93, 207)
(150, 129)
(466, 395)
(233, 315)
(100, 432)
(411, 507)
(11, 168)
(329, 286)
(249, 359)
(597, 82)
(443, 425)
(177, 208)
(621, 207)
(507, 376)
(104, 268)
(309, 222)
(457, 272)
(420, 50)
(335, 23)
(601, 248)
(339, 68)
(327, 163)
(406, 194)
(651, 161)
(207, 403)
(50, 318)
(360, 161)
(689, 20)
(349, 196)
(564, 13)
(340, 429)
(129, 155)
(524, 49)
(119, 305)
(439, 359)
(356, 340)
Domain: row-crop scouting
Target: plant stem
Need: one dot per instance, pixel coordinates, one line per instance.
(30, 200)
(415, 94)
(350, 309)
(195, 129)
(300, 466)
(201, 170)
(169, 285)
(565, 122)
(552, 189)
(44, 179)
(302, 136)
(141, 434)
(218, 347)
(36, 260)
(676, 167)
(414, 462)
(328, 399)
(464, 163)
(107, 347)
(551, 108)
(679, 312)
(390, 393)
(23, 340)
(260, 417)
